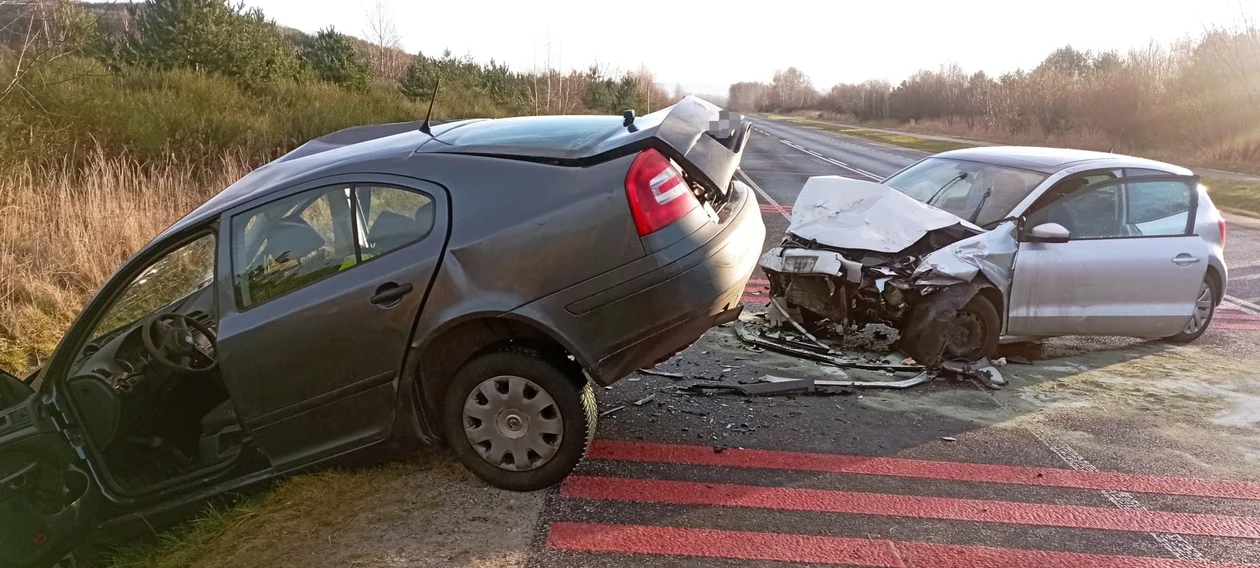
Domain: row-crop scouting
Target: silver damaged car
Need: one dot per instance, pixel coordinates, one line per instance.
(968, 248)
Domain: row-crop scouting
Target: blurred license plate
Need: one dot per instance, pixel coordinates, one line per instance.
(799, 263)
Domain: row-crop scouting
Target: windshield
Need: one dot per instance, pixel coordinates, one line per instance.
(174, 276)
(981, 193)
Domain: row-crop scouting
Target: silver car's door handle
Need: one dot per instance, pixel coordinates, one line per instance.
(1184, 259)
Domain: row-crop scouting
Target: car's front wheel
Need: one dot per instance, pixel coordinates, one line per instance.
(973, 334)
(518, 419)
(1204, 309)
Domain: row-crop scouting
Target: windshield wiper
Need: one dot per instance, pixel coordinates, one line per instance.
(983, 198)
(957, 178)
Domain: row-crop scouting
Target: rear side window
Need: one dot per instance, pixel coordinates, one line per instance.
(392, 218)
(299, 240)
(1159, 208)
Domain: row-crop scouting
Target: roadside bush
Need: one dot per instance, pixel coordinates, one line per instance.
(333, 58)
(210, 36)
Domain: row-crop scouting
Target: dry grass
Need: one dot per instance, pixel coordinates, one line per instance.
(62, 234)
(426, 511)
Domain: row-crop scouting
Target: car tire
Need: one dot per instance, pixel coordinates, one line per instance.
(978, 316)
(1205, 310)
(542, 407)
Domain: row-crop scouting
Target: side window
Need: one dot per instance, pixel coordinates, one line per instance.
(391, 218)
(1093, 214)
(291, 243)
(1158, 208)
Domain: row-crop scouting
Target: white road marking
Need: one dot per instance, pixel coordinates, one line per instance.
(762, 192)
(831, 161)
(1242, 305)
(1173, 543)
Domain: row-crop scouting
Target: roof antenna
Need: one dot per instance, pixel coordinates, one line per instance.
(424, 126)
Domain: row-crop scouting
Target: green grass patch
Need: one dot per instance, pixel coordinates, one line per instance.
(929, 145)
(1235, 196)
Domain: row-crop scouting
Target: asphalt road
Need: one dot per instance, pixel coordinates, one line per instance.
(1095, 455)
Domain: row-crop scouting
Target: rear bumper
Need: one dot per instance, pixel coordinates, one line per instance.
(621, 321)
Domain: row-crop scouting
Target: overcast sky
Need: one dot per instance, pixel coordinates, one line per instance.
(708, 45)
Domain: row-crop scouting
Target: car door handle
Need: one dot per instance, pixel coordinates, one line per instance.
(1184, 259)
(19, 480)
(389, 293)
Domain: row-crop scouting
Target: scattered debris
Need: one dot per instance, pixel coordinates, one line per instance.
(1018, 360)
(667, 374)
(611, 410)
(999, 361)
(908, 361)
(949, 438)
(982, 371)
(778, 304)
(751, 339)
(645, 400)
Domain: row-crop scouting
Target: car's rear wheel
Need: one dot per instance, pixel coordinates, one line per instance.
(518, 419)
(973, 334)
(1204, 309)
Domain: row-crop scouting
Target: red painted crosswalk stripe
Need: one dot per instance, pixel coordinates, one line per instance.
(908, 506)
(900, 467)
(742, 545)
(1233, 315)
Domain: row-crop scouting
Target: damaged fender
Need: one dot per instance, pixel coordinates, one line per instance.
(991, 254)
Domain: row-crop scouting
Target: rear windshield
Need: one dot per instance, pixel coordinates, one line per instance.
(980, 193)
(552, 132)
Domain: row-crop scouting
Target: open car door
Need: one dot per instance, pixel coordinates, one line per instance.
(47, 501)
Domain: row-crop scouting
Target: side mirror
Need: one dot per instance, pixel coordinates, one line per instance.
(13, 390)
(1049, 233)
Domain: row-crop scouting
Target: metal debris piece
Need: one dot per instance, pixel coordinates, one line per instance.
(611, 410)
(748, 337)
(645, 400)
(921, 378)
(667, 374)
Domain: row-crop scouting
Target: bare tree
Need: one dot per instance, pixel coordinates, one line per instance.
(41, 34)
(385, 54)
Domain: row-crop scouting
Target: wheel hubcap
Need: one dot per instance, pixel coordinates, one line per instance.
(513, 423)
(1202, 311)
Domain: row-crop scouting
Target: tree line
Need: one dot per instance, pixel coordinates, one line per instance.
(173, 77)
(1201, 95)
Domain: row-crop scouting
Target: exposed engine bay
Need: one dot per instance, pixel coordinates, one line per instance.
(859, 253)
(151, 396)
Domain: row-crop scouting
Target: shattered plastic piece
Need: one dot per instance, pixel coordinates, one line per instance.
(908, 361)
(611, 410)
(982, 371)
(662, 373)
(645, 400)
(863, 215)
(999, 361)
(756, 389)
(949, 438)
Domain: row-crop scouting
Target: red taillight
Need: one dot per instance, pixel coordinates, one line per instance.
(1222, 223)
(657, 192)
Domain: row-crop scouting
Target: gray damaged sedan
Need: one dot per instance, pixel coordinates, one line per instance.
(378, 287)
(968, 248)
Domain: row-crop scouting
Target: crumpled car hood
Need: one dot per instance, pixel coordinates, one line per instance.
(858, 214)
